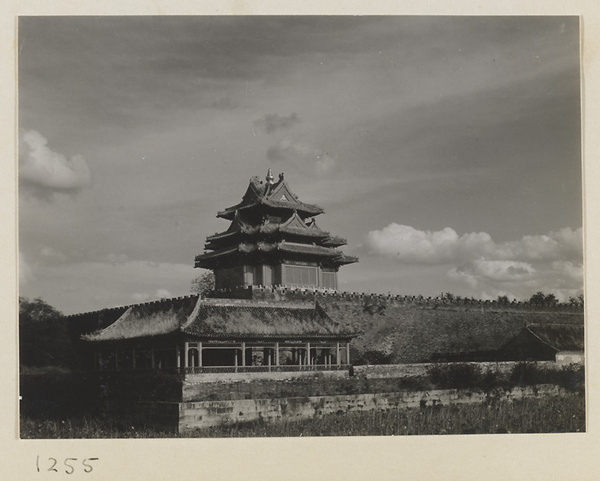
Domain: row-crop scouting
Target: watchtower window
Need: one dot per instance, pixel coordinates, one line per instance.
(301, 276)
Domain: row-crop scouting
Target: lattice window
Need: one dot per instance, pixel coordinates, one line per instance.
(301, 276)
(329, 280)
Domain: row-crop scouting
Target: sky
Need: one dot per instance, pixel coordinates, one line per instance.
(447, 150)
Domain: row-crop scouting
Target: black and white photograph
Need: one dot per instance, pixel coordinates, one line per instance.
(299, 226)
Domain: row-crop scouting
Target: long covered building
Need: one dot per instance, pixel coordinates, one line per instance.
(198, 335)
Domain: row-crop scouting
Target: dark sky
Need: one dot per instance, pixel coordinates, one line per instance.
(445, 149)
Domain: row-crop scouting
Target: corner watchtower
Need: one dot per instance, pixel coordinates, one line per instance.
(273, 239)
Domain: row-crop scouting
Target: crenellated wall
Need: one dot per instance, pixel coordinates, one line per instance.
(284, 293)
(416, 329)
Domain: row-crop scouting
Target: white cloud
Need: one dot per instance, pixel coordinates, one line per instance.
(144, 296)
(163, 294)
(413, 246)
(44, 172)
(551, 262)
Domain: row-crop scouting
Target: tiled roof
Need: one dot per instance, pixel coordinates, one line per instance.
(147, 320)
(334, 241)
(290, 247)
(222, 319)
(92, 321)
(307, 249)
(562, 337)
(259, 193)
(271, 228)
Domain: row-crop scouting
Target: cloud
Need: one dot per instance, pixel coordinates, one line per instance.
(140, 297)
(413, 246)
(273, 122)
(303, 154)
(551, 262)
(144, 296)
(497, 271)
(163, 294)
(43, 172)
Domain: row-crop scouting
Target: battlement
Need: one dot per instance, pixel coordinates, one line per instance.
(286, 293)
(164, 300)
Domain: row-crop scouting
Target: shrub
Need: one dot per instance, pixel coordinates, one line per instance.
(570, 377)
(457, 376)
(373, 357)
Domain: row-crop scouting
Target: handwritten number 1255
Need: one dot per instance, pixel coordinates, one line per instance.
(70, 465)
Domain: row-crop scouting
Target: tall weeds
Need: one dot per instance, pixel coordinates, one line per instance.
(538, 415)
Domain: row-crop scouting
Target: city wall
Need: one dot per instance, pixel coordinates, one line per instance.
(284, 293)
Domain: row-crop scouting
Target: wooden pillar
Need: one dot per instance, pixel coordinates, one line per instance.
(243, 354)
(185, 354)
(277, 354)
(348, 353)
(308, 353)
(199, 354)
(178, 356)
(337, 354)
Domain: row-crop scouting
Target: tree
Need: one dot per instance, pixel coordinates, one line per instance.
(550, 300)
(204, 284)
(503, 300)
(43, 335)
(537, 299)
(541, 299)
(576, 301)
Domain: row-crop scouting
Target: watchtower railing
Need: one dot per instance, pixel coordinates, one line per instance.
(283, 368)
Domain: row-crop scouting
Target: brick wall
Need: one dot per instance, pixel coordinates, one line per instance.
(316, 386)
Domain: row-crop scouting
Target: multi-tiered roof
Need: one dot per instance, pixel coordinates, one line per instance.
(272, 228)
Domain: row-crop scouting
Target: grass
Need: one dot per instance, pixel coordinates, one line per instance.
(539, 415)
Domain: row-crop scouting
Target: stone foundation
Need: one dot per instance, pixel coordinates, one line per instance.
(185, 417)
(198, 415)
(264, 376)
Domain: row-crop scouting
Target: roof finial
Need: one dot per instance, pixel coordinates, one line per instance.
(270, 177)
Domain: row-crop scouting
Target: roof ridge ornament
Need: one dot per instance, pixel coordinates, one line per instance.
(270, 177)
